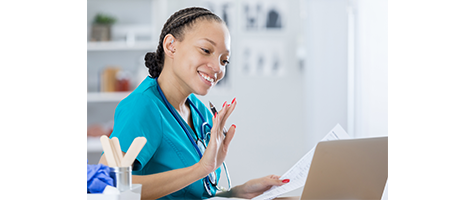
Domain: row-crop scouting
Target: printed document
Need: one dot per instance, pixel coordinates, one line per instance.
(298, 173)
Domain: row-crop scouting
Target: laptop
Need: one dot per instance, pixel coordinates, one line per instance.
(348, 169)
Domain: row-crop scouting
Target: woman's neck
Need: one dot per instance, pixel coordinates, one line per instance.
(175, 95)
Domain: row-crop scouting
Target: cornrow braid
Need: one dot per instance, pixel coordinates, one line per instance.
(175, 25)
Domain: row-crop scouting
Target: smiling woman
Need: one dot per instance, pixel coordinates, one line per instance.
(192, 40)
(199, 59)
(185, 142)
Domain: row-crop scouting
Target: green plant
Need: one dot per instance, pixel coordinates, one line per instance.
(104, 19)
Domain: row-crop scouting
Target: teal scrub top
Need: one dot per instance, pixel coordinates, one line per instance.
(144, 114)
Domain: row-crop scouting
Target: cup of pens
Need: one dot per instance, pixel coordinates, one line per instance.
(121, 166)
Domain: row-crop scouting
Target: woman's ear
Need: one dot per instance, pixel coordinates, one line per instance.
(169, 45)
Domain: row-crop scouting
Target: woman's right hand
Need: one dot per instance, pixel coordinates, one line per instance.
(218, 145)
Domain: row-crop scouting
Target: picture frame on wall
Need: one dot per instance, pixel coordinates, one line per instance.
(262, 58)
(263, 15)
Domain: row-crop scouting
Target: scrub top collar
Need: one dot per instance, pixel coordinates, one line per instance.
(194, 116)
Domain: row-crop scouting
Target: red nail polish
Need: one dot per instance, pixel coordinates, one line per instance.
(233, 100)
(234, 125)
(224, 103)
(214, 115)
(285, 180)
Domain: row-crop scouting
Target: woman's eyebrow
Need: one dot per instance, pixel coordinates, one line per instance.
(212, 42)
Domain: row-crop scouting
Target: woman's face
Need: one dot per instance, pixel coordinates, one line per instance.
(200, 58)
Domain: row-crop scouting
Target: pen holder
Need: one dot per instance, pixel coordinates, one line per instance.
(122, 177)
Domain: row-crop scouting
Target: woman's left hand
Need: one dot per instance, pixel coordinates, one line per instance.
(218, 144)
(256, 187)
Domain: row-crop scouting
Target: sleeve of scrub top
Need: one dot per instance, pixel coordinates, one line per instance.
(138, 116)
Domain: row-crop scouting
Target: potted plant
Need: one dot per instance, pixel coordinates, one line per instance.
(101, 27)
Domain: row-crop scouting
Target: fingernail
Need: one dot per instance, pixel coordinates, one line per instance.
(214, 115)
(285, 180)
(229, 105)
(233, 100)
(234, 125)
(224, 103)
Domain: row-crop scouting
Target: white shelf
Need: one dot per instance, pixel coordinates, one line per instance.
(93, 97)
(120, 45)
(94, 144)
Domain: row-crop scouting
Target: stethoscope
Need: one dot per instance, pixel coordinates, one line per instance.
(198, 144)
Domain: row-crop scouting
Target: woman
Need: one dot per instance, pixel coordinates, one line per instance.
(191, 58)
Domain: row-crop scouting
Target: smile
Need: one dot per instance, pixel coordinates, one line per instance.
(206, 77)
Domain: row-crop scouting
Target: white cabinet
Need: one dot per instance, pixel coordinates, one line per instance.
(135, 32)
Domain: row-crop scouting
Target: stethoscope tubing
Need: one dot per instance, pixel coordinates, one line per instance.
(188, 134)
(175, 115)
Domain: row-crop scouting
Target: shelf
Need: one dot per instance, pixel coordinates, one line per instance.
(94, 144)
(120, 45)
(95, 97)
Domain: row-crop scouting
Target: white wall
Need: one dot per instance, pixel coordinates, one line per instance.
(371, 74)
(325, 68)
(327, 85)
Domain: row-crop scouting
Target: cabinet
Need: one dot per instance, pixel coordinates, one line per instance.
(135, 32)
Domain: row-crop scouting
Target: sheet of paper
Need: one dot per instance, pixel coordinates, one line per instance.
(337, 133)
(298, 173)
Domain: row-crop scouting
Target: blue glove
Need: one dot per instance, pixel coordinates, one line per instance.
(98, 178)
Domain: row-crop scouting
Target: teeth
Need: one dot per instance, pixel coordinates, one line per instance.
(207, 78)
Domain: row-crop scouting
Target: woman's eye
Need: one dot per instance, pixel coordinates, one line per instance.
(205, 50)
(225, 62)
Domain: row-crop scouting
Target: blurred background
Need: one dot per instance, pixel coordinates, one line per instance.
(298, 68)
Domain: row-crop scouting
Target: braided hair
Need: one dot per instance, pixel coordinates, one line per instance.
(175, 25)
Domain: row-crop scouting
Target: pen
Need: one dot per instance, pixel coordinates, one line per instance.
(213, 109)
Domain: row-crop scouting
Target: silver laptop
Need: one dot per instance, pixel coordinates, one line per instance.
(348, 169)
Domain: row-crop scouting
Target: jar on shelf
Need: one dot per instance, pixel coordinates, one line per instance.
(122, 81)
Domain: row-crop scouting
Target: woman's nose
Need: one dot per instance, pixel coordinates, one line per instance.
(214, 65)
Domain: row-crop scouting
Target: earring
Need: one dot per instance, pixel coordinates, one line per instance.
(172, 41)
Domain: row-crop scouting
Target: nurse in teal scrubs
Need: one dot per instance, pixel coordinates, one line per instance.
(191, 58)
